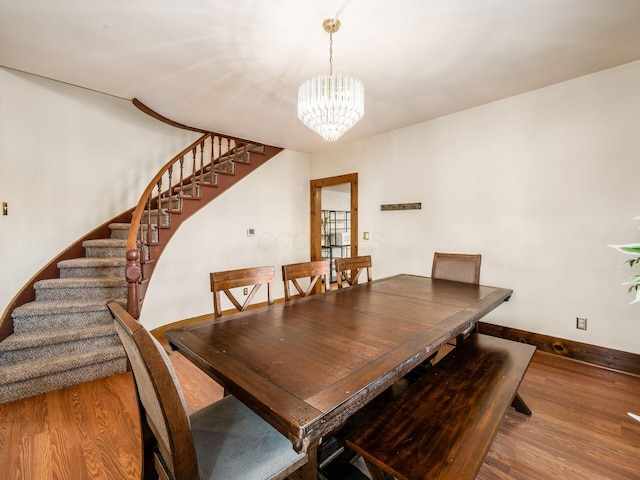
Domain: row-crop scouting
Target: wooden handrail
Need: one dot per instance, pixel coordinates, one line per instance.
(181, 178)
(133, 268)
(152, 113)
(230, 151)
(139, 210)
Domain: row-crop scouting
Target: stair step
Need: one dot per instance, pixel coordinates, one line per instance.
(119, 231)
(104, 289)
(21, 347)
(158, 218)
(105, 248)
(255, 148)
(28, 378)
(171, 203)
(93, 267)
(52, 315)
(188, 189)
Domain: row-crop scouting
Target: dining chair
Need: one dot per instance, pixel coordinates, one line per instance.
(222, 440)
(458, 267)
(314, 270)
(226, 280)
(349, 269)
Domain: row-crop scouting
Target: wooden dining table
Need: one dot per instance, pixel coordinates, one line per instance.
(307, 365)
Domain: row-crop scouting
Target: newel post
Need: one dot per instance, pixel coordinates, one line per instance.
(133, 273)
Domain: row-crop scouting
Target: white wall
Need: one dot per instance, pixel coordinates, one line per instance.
(273, 200)
(539, 184)
(70, 159)
(334, 200)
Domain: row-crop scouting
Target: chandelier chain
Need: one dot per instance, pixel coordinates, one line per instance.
(331, 53)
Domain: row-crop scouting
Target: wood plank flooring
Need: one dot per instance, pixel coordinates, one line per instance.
(579, 430)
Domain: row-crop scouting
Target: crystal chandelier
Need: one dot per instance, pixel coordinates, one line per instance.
(331, 104)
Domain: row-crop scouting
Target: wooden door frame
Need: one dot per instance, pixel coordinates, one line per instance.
(316, 211)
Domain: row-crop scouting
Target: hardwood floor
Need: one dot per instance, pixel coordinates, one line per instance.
(579, 429)
(88, 431)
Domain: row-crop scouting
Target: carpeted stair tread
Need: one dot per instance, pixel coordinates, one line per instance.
(33, 369)
(93, 267)
(84, 262)
(57, 380)
(119, 231)
(36, 339)
(80, 283)
(81, 288)
(105, 242)
(55, 315)
(105, 247)
(53, 307)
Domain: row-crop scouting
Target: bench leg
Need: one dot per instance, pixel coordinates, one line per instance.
(520, 406)
(376, 473)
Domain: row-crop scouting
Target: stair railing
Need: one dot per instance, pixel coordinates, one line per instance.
(198, 166)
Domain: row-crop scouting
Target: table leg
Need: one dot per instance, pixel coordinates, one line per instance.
(520, 406)
(310, 470)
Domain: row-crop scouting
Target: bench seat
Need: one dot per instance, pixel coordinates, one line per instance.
(442, 426)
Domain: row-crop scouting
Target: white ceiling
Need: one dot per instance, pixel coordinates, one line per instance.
(234, 66)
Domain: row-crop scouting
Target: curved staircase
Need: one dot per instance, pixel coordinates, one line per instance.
(65, 335)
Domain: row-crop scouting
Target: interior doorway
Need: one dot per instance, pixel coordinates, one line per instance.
(318, 243)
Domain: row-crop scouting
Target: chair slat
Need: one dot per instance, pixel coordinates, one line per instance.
(349, 269)
(313, 271)
(224, 281)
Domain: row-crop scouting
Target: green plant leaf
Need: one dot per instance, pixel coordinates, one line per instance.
(629, 248)
(633, 261)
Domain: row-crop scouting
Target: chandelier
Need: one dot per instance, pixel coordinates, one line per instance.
(331, 104)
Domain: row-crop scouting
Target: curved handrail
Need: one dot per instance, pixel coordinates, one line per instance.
(181, 178)
(137, 213)
(152, 113)
(133, 268)
(235, 150)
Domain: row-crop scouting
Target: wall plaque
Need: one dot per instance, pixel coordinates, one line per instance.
(401, 206)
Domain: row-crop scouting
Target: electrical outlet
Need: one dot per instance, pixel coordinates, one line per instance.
(581, 323)
(245, 291)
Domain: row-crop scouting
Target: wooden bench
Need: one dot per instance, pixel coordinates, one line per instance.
(442, 426)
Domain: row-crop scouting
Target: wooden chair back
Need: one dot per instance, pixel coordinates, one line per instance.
(458, 267)
(314, 270)
(349, 269)
(224, 439)
(167, 443)
(244, 277)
